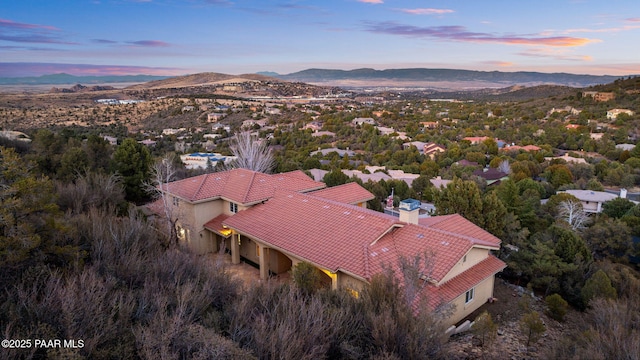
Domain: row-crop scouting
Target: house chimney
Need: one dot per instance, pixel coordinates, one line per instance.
(623, 193)
(409, 210)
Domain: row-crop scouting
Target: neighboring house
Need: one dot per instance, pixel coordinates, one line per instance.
(523, 148)
(627, 147)
(319, 133)
(465, 162)
(430, 149)
(15, 135)
(613, 113)
(314, 125)
(568, 159)
(385, 130)
(250, 123)
(278, 221)
(430, 124)
(170, 131)
(592, 200)
(362, 121)
(493, 176)
(418, 144)
(113, 141)
(438, 182)
(202, 160)
(599, 96)
(340, 152)
(148, 142)
(474, 140)
(215, 117)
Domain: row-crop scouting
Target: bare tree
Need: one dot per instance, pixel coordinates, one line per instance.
(163, 172)
(251, 153)
(573, 213)
(505, 167)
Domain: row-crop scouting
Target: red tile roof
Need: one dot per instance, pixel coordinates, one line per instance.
(216, 226)
(463, 282)
(241, 185)
(328, 233)
(359, 241)
(349, 193)
(457, 224)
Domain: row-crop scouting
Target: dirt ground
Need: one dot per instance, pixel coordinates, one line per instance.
(510, 343)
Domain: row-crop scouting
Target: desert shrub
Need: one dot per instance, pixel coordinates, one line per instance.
(532, 326)
(556, 306)
(598, 286)
(484, 328)
(307, 278)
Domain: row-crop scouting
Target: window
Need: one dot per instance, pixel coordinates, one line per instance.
(257, 250)
(233, 207)
(468, 297)
(464, 259)
(176, 201)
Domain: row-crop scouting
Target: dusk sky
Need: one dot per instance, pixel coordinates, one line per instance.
(176, 37)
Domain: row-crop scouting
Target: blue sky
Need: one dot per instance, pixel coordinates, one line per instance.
(175, 37)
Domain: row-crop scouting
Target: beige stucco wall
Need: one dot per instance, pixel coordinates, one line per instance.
(482, 293)
(278, 262)
(248, 249)
(591, 206)
(474, 256)
(348, 282)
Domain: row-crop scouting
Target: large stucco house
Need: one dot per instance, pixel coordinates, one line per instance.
(277, 221)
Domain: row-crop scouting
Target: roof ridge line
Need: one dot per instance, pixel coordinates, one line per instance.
(472, 240)
(195, 194)
(246, 194)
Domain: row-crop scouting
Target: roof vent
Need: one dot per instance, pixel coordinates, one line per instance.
(420, 236)
(289, 196)
(360, 216)
(384, 249)
(326, 207)
(374, 253)
(445, 243)
(347, 212)
(305, 200)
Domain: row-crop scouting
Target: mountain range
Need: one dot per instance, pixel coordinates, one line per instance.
(439, 78)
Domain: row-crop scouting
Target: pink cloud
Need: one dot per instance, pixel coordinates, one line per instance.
(371, 1)
(426, 11)
(558, 54)
(460, 33)
(16, 25)
(29, 33)
(498, 63)
(149, 43)
(637, 19)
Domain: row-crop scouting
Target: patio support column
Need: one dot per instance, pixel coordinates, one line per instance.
(264, 261)
(334, 281)
(235, 248)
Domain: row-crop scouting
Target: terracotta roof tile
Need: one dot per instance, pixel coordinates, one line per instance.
(216, 226)
(325, 232)
(241, 185)
(344, 237)
(455, 223)
(464, 281)
(349, 193)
